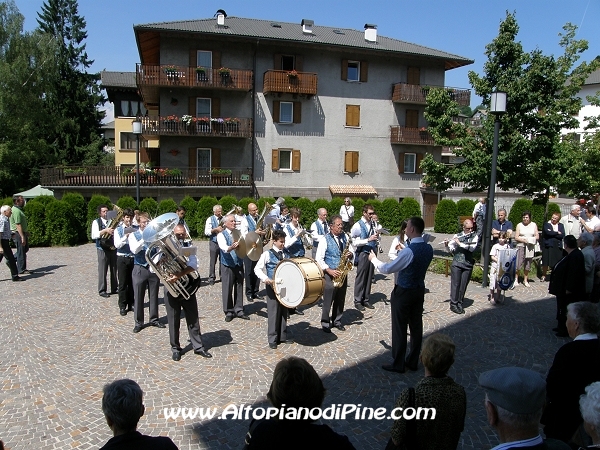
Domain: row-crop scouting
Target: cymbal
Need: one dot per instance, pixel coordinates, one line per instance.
(160, 227)
(237, 237)
(254, 245)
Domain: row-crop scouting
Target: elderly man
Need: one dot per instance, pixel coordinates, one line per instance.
(122, 407)
(20, 235)
(107, 259)
(252, 281)
(479, 215)
(501, 224)
(212, 229)
(571, 221)
(514, 401)
(232, 271)
(5, 213)
(462, 245)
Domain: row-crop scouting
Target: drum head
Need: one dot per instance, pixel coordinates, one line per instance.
(289, 284)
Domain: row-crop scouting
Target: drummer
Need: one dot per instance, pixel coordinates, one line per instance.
(293, 242)
(265, 270)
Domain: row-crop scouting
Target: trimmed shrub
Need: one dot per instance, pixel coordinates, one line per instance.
(290, 202)
(127, 201)
(334, 206)
(538, 211)
(516, 212)
(8, 201)
(204, 211)
(227, 202)
(92, 210)
(358, 204)
(35, 211)
(191, 214)
(150, 206)
(465, 206)
(446, 217)
(62, 222)
(389, 215)
(244, 202)
(261, 202)
(308, 211)
(167, 206)
(409, 207)
(553, 208)
(79, 210)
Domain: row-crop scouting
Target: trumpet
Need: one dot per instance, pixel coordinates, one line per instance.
(306, 237)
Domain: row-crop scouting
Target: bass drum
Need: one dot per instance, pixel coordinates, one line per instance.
(298, 281)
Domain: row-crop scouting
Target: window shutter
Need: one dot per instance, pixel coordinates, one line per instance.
(216, 59)
(352, 115)
(193, 163)
(215, 107)
(276, 112)
(193, 57)
(277, 61)
(413, 75)
(354, 161)
(297, 112)
(412, 118)
(364, 70)
(192, 106)
(275, 159)
(215, 157)
(419, 159)
(351, 162)
(344, 69)
(299, 63)
(401, 162)
(296, 160)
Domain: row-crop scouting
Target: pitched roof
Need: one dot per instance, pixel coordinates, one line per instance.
(285, 31)
(352, 189)
(118, 79)
(594, 78)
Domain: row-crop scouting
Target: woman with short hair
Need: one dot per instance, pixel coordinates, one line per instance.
(589, 405)
(526, 236)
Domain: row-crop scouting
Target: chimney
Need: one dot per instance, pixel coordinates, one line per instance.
(307, 26)
(370, 32)
(221, 14)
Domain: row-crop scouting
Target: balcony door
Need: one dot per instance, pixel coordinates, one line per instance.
(203, 111)
(203, 163)
(204, 59)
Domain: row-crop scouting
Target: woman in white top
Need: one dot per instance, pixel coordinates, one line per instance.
(347, 213)
(399, 242)
(526, 236)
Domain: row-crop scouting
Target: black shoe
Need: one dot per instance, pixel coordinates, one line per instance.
(359, 306)
(18, 279)
(297, 311)
(123, 312)
(456, 309)
(286, 341)
(258, 297)
(369, 306)
(460, 308)
(562, 333)
(203, 353)
(228, 318)
(326, 330)
(158, 324)
(391, 368)
(113, 292)
(320, 304)
(211, 282)
(137, 329)
(273, 346)
(27, 272)
(130, 308)
(104, 294)
(249, 299)
(340, 327)
(243, 316)
(176, 355)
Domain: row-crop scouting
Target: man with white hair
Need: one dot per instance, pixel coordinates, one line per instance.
(479, 216)
(571, 221)
(5, 235)
(211, 229)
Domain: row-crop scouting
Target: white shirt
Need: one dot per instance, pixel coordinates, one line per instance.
(120, 241)
(479, 210)
(222, 242)
(571, 224)
(135, 245)
(346, 214)
(96, 228)
(291, 238)
(356, 230)
(401, 262)
(321, 249)
(260, 269)
(318, 238)
(393, 253)
(209, 226)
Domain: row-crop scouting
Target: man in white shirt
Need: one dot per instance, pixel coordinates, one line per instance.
(107, 259)
(211, 229)
(571, 222)
(592, 219)
(364, 238)
(479, 216)
(319, 229)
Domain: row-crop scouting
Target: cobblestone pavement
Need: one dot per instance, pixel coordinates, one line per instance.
(61, 343)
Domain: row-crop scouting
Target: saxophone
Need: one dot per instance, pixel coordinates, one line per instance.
(345, 264)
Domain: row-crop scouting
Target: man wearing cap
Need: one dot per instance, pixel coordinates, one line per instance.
(514, 401)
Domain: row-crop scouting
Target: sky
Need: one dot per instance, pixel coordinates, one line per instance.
(461, 27)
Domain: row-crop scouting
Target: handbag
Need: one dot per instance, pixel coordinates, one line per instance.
(410, 441)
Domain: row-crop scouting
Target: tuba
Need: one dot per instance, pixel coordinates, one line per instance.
(345, 264)
(167, 256)
(261, 225)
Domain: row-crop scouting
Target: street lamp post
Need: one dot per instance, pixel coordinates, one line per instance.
(137, 130)
(497, 108)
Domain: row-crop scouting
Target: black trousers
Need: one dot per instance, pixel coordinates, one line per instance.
(362, 283)
(232, 290)
(214, 254)
(252, 281)
(333, 302)
(10, 258)
(459, 280)
(174, 305)
(124, 275)
(407, 312)
(277, 323)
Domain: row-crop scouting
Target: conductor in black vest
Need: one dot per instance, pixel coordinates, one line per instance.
(408, 296)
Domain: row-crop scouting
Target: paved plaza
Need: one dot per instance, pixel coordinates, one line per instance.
(61, 343)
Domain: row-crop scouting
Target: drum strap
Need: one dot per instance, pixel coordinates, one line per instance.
(278, 254)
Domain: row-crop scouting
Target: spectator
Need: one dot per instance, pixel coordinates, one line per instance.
(553, 233)
(575, 366)
(479, 216)
(501, 224)
(595, 297)
(122, 407)
(571, 221)
(437, 390)
(514, 400)
(347, 213)
(589, 405)
(295, 384)
(591, 219)
(585, 243)
(526, 236)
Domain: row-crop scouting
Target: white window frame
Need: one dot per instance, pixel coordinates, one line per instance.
(414, 163)
(289, 152)
(291, 115)
(357, 63)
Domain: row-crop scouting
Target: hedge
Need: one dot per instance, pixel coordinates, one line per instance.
(35, 210)
(79, 211)
(61, 224)
(127, 201)
(150, 206)
(446, 217)
(167, 206)
(191, 214)
(465, 206)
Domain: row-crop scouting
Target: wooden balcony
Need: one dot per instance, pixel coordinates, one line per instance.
(285, 82)
(417, 94)
(118, 177)
(415, 136)
(210, 127)
(150, 78)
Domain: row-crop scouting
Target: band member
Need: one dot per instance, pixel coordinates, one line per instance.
(319, 229)
(180, 211)
(125, 262)
(143, 278)
(252, 281)
(265, 270)
(107, 259)
(364, 237)
(462, 245)
(232, 273)
(174, 305)
(283, 217)
(293, 242)
(212, 229)
(329, 256)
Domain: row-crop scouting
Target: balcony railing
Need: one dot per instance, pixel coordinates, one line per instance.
(417, 94)
(283, 81)
(404, 135)
(117, 177)
(184, 76)
(215, 126)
